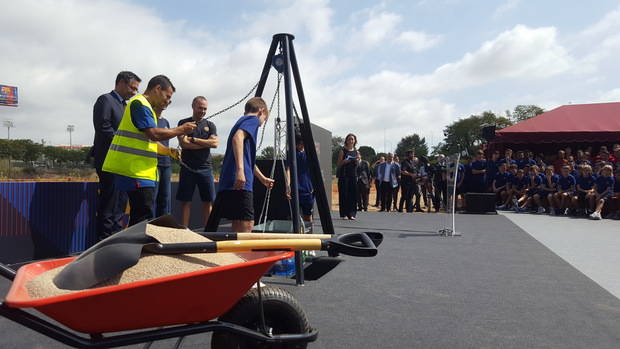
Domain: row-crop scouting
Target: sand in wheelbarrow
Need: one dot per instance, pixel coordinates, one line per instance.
(150, 266)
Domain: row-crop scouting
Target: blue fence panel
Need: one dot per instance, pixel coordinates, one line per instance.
(58, 217)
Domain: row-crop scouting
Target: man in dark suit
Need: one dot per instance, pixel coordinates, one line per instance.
(363, 183)
(107, 114)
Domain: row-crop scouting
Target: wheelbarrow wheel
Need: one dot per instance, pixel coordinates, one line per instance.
(283, 314)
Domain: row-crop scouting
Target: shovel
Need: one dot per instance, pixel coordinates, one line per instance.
(122, 250)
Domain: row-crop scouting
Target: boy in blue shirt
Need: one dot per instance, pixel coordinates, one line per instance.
(235, 199)
(532, 191)
(603, 187)
(304, 183)
(517, 187)
(491, 170)
(584, 189)
(548, 188)
(478, 169)
(500, 183)
(566, 188)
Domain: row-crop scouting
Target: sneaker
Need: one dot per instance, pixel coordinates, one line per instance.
(566, 211)
(596, 216)
(500, 207)
(541, 210)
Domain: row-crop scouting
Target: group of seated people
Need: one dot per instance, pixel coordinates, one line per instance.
(585, 186)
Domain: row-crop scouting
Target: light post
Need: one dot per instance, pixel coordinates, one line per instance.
(8, 124)
(70, 129)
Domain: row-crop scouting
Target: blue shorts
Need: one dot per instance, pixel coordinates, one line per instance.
(188, 180)
(306, 208)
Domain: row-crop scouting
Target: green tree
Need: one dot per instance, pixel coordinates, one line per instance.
(412, 142)
(523, 112)
(367, 152)
(337, 144)
(267, 153)
(465, 134)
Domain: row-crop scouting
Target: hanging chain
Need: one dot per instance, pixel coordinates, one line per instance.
(275, 95)
(234, 104)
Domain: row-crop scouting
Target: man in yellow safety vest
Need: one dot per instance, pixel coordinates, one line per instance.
(132, 156)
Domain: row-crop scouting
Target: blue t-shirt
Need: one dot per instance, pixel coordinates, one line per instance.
(602, 183)
(519, 183)
(492, 169)
(586, 183)
(478, 165)
(142, 118)
(304, 183)
(565, 183)
(616, 185)
(553, 184)
(501, 179)
(250, 125)
(535, 181)
(163, 160)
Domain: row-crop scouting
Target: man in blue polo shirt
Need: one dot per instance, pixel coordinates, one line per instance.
(196, 161)
(235, 199)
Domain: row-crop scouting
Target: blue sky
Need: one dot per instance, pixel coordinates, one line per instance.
(368, 66)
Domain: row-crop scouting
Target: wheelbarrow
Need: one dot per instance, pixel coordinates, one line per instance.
(167, 307)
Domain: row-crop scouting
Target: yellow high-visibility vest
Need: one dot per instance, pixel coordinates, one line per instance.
(132, 153)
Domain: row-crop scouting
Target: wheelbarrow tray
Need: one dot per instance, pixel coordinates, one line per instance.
(171, 300)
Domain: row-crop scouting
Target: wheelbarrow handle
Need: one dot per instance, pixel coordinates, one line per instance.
(221, 236)
(7, 271)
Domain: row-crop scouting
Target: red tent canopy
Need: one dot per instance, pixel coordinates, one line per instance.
(575, 123)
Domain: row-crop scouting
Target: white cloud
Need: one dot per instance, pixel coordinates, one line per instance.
(505, 7)
(520, 53)
(610, 96)
(378, 27)
(383, 27)
(418, 41)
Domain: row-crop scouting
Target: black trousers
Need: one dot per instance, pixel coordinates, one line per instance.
(141, 204)
(395, 196)
(386, 196)
(406, 198)
(378, 189)
(362, 196)
(111, 205)
(347, 196)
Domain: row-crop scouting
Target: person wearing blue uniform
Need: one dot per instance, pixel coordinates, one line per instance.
(491, 170)
(478, 170)
(161, 206)
(517, 186)
(616, 196)
(603, 188)
(500, 183)
(305, 189)
(532, 195)
(548, 188)
(235, 199)
(566, 189)
(584, 189)
(196, 168)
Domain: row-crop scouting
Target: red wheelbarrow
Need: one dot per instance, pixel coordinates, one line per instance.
(182, 304)
(167, 307)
